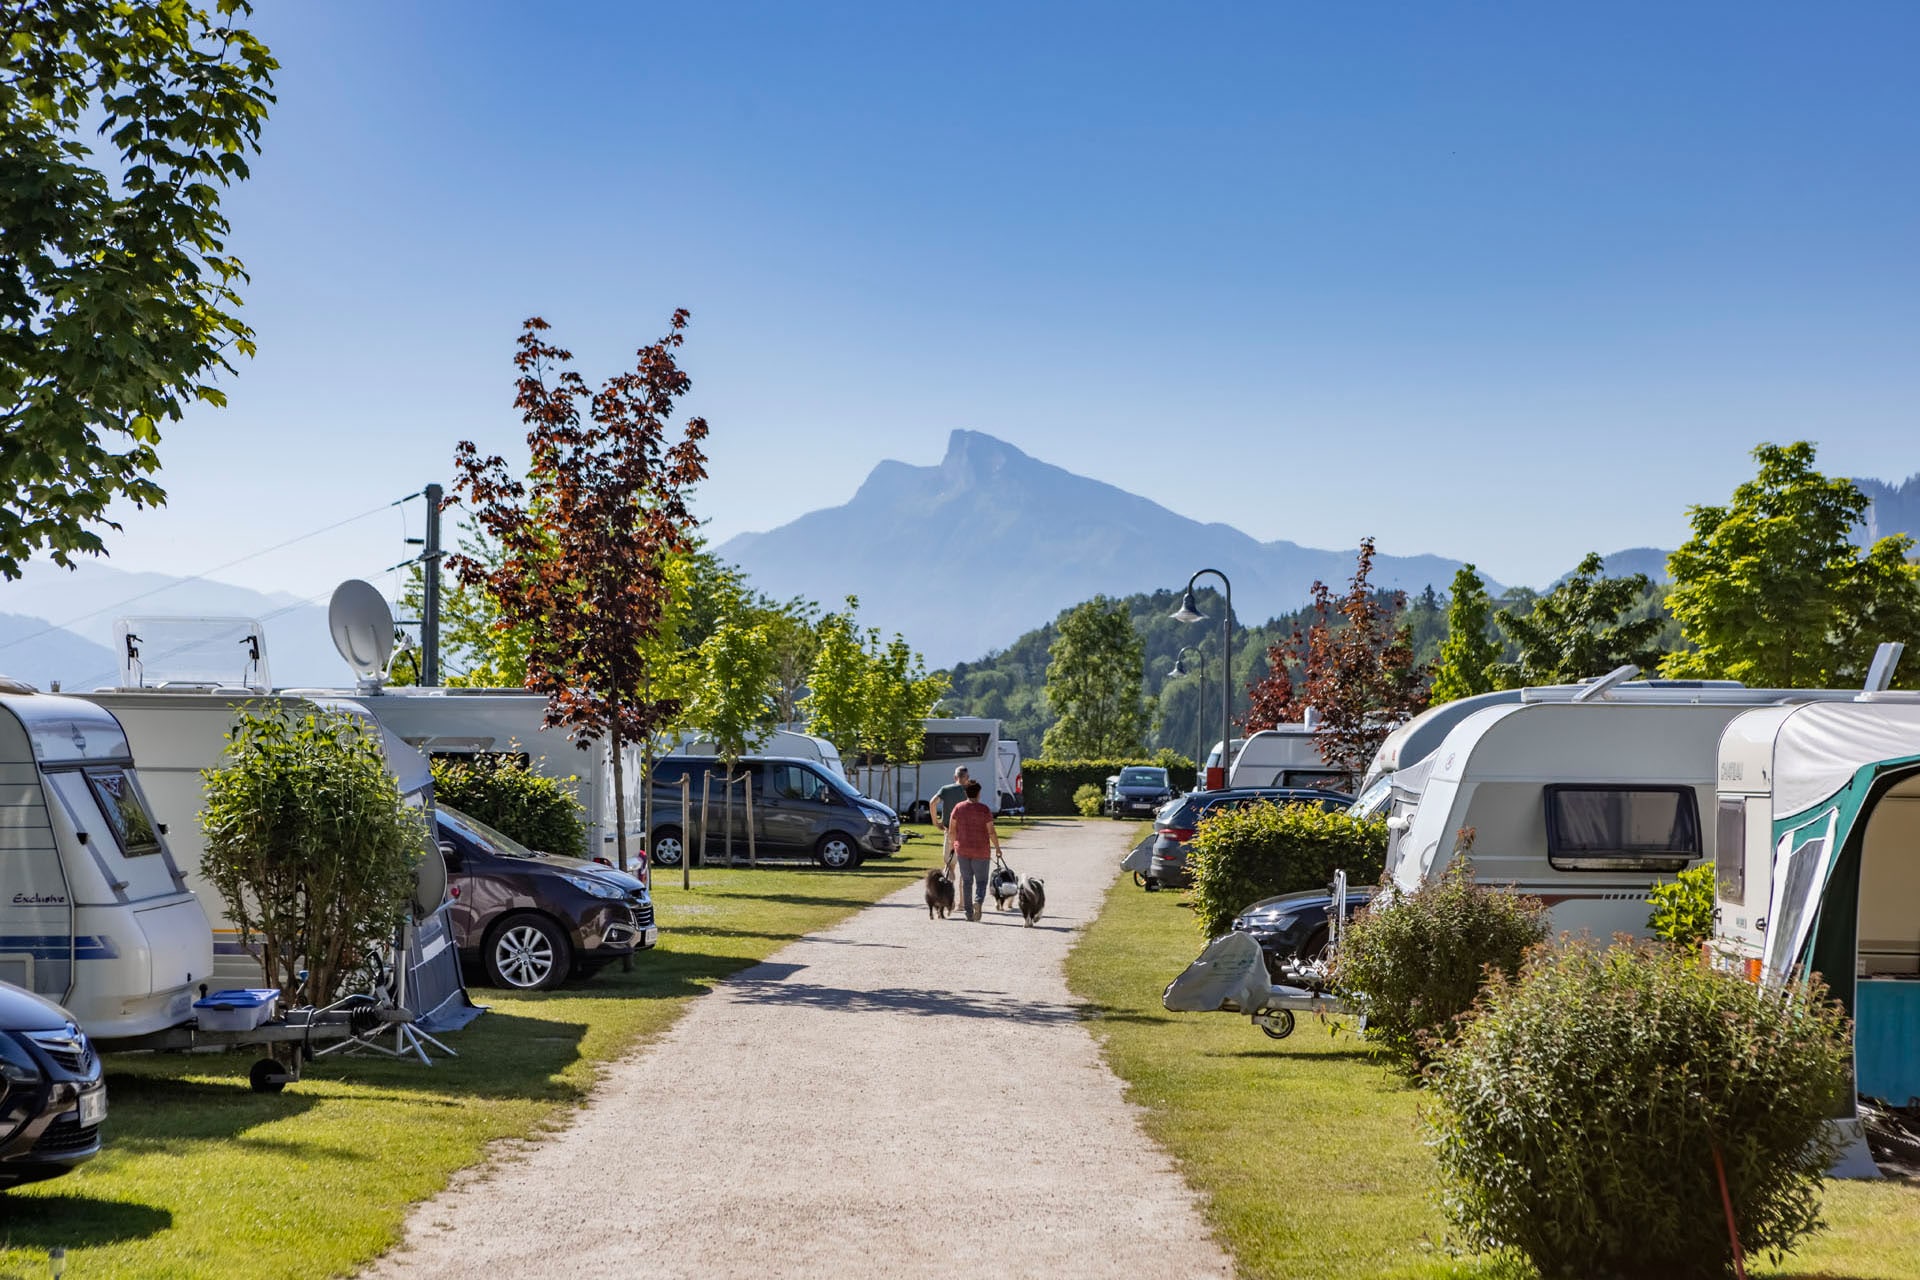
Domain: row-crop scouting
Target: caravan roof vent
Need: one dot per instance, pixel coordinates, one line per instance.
(192, 653)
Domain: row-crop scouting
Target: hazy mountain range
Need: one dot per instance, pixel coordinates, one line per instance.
(1037, 539)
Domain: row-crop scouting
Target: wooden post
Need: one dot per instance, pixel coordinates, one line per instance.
(706, 790)
(726, 788)
(746, 788)
(686, 821)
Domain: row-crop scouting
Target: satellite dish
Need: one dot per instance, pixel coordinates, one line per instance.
(362, 627)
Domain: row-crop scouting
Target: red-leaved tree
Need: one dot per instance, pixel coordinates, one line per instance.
(585, 539)
(1356, 671)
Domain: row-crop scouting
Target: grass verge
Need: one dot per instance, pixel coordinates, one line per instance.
(201, 1177)
(1308, 1152)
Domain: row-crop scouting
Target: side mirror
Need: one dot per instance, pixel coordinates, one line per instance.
(450, 853)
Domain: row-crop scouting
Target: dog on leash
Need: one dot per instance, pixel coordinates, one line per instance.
(939, 893)
(1004, 886)
(1033, 899)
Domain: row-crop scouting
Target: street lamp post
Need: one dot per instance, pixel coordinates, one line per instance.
(1188, 612)
(1199, 669)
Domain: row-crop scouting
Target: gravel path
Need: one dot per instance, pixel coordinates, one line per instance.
(893, 1097)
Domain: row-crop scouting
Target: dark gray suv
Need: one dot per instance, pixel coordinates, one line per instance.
(800, 809)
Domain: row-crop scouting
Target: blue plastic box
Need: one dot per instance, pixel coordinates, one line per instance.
(238, 1010)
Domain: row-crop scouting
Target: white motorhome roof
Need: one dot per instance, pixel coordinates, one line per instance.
(1817, 749)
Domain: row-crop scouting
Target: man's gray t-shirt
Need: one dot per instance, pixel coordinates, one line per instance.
(949, 796)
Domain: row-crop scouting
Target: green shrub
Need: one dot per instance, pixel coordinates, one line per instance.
(1683, 909)
(503, 791)
(1240, 856)
(1579, 1110)
(309, 844)
(1051, 785)
(1413, 963)
(1089, 800)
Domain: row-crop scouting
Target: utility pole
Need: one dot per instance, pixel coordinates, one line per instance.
(430, 593)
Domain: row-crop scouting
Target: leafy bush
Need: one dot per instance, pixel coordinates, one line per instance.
(504, 792)
(1683, 909)
(1089, 800)
(309, 844)
(1580, 1110)
(1414, 963)
(1242, 855)
(1051, 785)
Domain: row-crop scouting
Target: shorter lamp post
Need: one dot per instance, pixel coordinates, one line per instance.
(1199, 668)
(1190, 612)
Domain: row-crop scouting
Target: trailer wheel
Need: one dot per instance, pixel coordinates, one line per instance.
(267, 1076)
(1284, 1028)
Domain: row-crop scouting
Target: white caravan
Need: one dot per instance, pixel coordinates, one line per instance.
(95, 913)
(952, 742)
(177, 736)
(1817, 868)
(1584, 802)
(1285, 756)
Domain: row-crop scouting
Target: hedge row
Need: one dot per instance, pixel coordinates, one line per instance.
(1050, 784)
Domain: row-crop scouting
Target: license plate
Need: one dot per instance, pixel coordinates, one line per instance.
(93, 1107)
(651, 936)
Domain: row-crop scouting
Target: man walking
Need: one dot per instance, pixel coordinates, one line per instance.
(945, 801)
(971, 835)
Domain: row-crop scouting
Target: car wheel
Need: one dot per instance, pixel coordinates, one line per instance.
(836, 852)
(527, 953)
(667, 848)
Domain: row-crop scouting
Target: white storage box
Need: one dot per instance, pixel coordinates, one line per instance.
(240, 1010)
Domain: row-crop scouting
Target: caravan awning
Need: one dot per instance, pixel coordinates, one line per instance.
(1823, 746)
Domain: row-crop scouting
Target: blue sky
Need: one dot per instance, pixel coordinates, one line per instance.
(1502, 282)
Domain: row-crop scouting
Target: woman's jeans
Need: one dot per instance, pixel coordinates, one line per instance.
(973, 880)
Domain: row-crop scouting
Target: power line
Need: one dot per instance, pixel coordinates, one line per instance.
(204, 573)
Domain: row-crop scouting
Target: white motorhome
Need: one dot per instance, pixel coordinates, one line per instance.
(951, 742)
(95, 913)
(1285, 756)
(1585, 803)
(1817, 868)
(177, 736)
(1009, 781)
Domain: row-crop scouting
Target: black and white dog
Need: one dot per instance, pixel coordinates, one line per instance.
(1033, 899)
(1004, 886)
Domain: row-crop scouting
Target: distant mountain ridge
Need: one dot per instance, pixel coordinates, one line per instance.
(1036, 538)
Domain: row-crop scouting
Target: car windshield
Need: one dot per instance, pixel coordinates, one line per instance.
(495, 842)
(1143, 778)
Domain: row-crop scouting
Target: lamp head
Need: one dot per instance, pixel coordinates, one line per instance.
(1179, 667)
(1188, 610)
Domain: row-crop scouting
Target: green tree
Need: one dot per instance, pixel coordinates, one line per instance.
(836, 683)
(1468, 650)
(898, 697)
(117, 295)
(1771, 590)
(1583, 627)
(309, 844)
(731, 705)
(1093, 684)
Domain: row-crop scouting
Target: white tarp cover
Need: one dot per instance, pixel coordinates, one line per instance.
(1821, 746)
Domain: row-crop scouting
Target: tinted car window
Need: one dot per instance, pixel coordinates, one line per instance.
(795, 782)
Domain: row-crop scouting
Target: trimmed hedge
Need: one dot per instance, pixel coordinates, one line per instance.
(1051, 784)
(1243, 855)
(1581, 1110)
(506, 794)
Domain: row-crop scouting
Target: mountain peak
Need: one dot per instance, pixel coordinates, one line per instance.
(975, 455)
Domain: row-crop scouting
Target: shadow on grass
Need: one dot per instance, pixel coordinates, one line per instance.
(42, 1219)
(148, 1111)
(1108, 1013)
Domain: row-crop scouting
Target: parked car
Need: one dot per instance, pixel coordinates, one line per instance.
(52, 1097)
(799, 810)
(1177, 820)
(530, 920)
(1295, 926)
(1137, 790)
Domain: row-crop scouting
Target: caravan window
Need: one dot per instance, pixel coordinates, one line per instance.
(1730, 852)
(1622, 828)
(955, 746)
(108, 795)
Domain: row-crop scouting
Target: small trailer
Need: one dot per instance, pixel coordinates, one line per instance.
(1230, 976)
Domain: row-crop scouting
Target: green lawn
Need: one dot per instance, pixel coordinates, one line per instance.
(202, 1177)
(1308, 1151)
